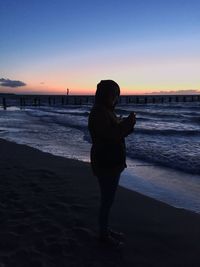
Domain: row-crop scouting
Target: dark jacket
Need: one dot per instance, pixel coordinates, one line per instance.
(108, 152)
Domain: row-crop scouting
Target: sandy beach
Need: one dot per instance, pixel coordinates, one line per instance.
(49, 208)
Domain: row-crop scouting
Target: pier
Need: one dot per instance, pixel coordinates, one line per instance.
(61, 100)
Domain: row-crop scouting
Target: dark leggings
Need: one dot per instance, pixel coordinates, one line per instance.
(108, 186)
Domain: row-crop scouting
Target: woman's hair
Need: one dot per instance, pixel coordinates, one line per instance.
(105, 89)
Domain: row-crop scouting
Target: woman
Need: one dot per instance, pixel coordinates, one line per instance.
(108, 152)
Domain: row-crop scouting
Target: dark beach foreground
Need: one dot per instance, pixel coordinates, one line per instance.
(48, 217)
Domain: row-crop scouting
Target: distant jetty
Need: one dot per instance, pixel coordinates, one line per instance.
(7, 100)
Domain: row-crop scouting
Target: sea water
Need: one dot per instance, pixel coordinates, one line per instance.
(163, 151)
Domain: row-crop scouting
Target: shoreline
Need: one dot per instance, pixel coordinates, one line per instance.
(142, 180)
(49, 208)
(164, 184)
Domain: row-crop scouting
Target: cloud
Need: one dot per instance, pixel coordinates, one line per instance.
(11, 83)
(178, 92)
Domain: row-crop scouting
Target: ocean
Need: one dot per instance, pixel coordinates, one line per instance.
(163, 152)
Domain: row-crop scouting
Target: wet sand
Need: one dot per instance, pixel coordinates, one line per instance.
(49, 208)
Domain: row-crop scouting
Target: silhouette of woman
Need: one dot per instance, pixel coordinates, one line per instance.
(108, 152)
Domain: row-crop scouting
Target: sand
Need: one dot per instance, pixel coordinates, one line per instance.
(48, 217)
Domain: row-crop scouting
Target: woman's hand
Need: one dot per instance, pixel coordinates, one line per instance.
(132, 118)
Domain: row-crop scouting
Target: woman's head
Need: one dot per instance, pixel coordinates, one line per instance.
(107, 93)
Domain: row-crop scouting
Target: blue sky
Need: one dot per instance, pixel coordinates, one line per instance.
(76, 43)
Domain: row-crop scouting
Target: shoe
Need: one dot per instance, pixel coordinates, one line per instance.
(111, 241)
(115, 234)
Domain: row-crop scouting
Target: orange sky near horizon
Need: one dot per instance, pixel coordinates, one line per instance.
(136, 73)
(43, 89)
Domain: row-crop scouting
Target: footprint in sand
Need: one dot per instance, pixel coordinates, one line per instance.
(42, 173)
(78, 207)
(47, 228)
(25, 257)
(84, 233)
(59, 206)
(8, 242)
(35, 187)
(20, 229)
(12, 195)
(18, 215)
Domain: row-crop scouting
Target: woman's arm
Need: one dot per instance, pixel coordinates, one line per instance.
(127, 124)
(103, 126)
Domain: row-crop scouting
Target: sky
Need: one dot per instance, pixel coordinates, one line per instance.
(47, 46)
